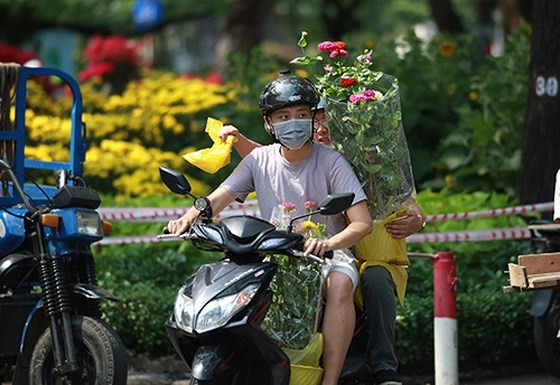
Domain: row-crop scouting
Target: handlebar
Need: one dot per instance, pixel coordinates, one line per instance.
(294, 252)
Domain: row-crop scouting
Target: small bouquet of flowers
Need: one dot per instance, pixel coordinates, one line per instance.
(292, 318)
(364, 114)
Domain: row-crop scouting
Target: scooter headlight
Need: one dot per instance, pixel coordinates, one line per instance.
(184, 310)
(218, 312)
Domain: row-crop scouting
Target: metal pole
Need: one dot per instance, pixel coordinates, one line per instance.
(445, 320)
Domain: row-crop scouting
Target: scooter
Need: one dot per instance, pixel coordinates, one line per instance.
(216, 325)
(545, 308)
(50, 319)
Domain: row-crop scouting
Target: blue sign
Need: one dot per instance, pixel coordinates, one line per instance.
(147, 13)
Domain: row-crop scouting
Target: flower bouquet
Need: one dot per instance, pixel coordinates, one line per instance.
(292, 318)
(364, 115)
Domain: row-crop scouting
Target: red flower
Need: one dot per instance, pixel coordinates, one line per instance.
(347, 82)
(94, 49)
(335, 49)
(112, 49)
(214, 78)
(339, 45)
(12, 53)
(96, 70)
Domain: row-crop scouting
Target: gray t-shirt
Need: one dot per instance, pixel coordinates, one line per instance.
(275, 180)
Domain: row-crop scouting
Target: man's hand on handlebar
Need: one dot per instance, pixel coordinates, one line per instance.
(316, 247)
(179, 226)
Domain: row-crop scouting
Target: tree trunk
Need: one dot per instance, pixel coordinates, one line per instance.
(445, 16)
(242, 29)
(541, 137)
(513, 11)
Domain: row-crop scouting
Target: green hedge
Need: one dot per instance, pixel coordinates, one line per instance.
(493, 329)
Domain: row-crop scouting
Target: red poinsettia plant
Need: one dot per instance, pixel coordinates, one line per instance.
(114, 59)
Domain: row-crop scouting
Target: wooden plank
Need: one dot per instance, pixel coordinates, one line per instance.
(517, 275)
(510, 289)
(540, 263)
(542, 281)
(545, 226)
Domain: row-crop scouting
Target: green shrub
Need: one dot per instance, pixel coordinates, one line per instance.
(492, 327)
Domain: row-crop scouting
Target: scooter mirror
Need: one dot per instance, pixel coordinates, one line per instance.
(175, 181)
(335, 203)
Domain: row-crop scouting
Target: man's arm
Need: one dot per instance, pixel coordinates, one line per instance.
(358, 227)
(219, 199)
(243, 145)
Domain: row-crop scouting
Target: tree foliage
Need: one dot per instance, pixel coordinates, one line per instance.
(91, 16)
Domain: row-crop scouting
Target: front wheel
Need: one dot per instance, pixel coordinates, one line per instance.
(100, 354)
(547, 337)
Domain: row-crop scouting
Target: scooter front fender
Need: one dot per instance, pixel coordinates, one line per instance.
(541, 302)
(208, 361)
(92, 292)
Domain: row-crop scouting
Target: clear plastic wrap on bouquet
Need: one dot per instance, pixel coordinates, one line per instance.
(293, 316)
(371, 136)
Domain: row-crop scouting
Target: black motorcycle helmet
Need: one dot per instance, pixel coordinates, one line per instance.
(287, 90)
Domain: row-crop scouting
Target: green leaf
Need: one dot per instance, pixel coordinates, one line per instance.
(303, 60)
(302, 41)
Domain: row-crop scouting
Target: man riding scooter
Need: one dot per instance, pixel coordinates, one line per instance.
(378, 286)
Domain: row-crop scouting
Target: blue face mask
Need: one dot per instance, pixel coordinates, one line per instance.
(293, 134)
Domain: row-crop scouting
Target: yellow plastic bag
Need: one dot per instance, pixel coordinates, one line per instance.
(304, 363)
(379, 245)
(308, 356)
(214, 158)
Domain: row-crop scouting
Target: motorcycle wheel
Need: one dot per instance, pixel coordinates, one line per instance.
(546, 332)
(99, 350)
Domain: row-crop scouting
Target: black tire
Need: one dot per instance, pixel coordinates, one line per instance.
(546, 333)
(99, 350)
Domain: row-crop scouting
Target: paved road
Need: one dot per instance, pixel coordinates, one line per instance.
(523, 379)
(525, 376)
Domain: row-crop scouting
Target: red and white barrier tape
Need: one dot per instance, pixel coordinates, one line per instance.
(251, 208)
(471, 235)
(452, 236)
(147, 214)
(548, 206)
